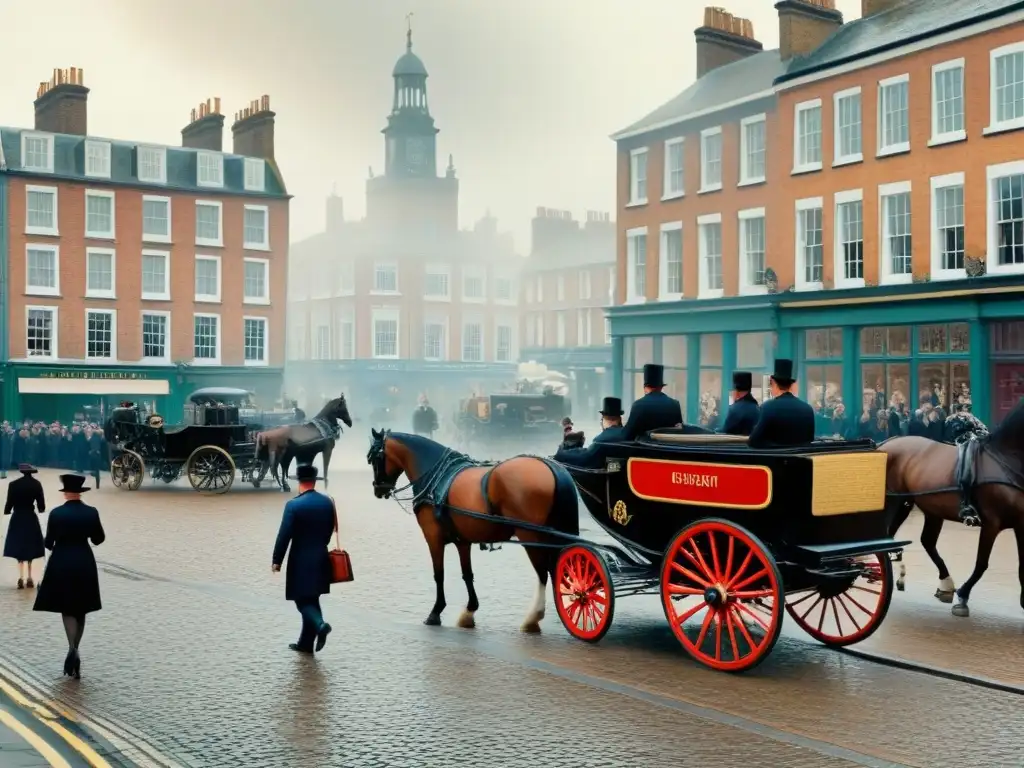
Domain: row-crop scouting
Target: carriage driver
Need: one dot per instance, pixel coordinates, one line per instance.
(744, 412)
(785, 420)
(611, 432)
(655, 410)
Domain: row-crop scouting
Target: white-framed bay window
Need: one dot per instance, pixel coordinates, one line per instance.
(848, 126)
(948, 103)
(41, 332)
(435, 337)
(37, 151)
(810, 249)
(505, 342)
(256, 281)
(208, 279)
(151, 164)
(100, 334)
(346, 322)
(156, 336)
(670, 274)
(156, 219)
(384, 341)
(753, 149)
(897, 252)
(437, 279)
(97, 159)
(894, 115)
(256, 228)
(709, 244)
(209, 169)
(807, 136)
(849, 239)
(636, 265)
(1005, 193)
(99, 214)
(255, 174)
(42, 270)
(753, 250)
(673, 178)
(100, 273)
(710, 160)
(255, 344)
(41, 211)
(1006, 88)
(206, 338)
(156, 275)
(209, 223)
(472, 340)
(638, 176)
(385, 279)
(947, 227)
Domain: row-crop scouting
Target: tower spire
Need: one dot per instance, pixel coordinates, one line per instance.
(408, 31)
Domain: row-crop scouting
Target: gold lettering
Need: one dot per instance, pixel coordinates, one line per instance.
(695, 480)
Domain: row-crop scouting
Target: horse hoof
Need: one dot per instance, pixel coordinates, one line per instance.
(944, 596)
(961, 610)
(466, 620)
(532, 628)
(433, 620)
(901, 586)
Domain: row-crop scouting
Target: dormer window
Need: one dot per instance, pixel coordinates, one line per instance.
(255, 174)
(210, 169)
(97, 159)
(152, 164)
(37, 152)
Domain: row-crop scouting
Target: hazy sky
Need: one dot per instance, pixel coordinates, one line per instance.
(525, 92)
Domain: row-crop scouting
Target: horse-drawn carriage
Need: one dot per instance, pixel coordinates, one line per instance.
(511, 421)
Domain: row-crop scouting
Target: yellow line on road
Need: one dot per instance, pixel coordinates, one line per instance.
(23, 701)
(33, 739)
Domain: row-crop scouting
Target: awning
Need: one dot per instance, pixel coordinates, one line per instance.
(83, 386)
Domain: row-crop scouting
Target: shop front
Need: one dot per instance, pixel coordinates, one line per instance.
(588, 369)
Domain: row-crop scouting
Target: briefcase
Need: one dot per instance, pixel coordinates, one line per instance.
(341, 563)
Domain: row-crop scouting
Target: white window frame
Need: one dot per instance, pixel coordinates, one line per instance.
(437, 270)
(166, 358)
(208, 242)
(560, 288)
(994, 124)
(513, 349)
(667, 191)
(160, 152)
(112, 313)
(583, 327)
(747, 288)
(55, 327)
(745, 177)
(561, 328)
(477, 273)
(710, 133)
(885, 273)
(164, 295)
(100, 294)
(265, 299)
(43, 291)
(663, 292)
(385, 313)
(840, 281)
(478, 321)
(633, 295)
(48, 138)
(634, 163)
(949, 137)
(444, 322)
(208, 298)
(96, 234)
(512, 299)
(801, 282)
(218, 159)
(885, 150)
(838, 158)
(252, 245)
(255, 175)
(703, 292)
(148, 238)
(217, 347)
(266, 342)
(103, 149)
(584, 285)
(799, 109)
(538, 322)
(937, 183)
(346, 316)
(992, 174)
(373, 278)
(53, 231)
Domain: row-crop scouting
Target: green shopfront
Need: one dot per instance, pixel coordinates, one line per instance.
(858, 353)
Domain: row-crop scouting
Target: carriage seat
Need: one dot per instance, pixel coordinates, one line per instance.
(173, 429)
(681, 436)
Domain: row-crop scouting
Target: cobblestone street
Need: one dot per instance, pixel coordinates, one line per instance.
(189, 658)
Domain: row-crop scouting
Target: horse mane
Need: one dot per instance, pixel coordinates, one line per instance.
(1008, 437)
(428, 452)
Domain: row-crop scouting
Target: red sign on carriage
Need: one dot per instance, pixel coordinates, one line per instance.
(733, 486)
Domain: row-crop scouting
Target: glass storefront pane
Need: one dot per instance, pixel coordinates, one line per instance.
(675, 386)
(873, 381)
(638, 385)
(960, 390)
(673, 351)
(1008, 338)
(872, 342)
(898, 342)
(933, 383)
(627, 354)
(823, 387)
(897, 386)
(643, 351)
(710, 398)
(823, 343)
(959, 338)
(628, 394)
(711, 349)
(881, 341)
(1008, 384)
(751, 350)
(932, 339)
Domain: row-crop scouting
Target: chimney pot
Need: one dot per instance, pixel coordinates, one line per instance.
(205, 130)
(61, 105)
(723, 39)
(253, 130)
(805, 24)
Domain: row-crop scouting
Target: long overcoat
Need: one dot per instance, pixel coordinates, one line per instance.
(71, 583)
(24, 541)
(306, 528)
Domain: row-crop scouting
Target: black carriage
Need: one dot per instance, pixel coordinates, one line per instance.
(512, 421)
(732, 539)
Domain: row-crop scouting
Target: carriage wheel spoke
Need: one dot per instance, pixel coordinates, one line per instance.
(681, 618)
(751, 594)
(718, 636)
(714, 557)
(691, 575)
(732, 634)
(728, 559)
(813, 606)
(749, 580)
(754, 616)
(852, 600)
(803, 599)
(712, 575)
(698, 565)
(704, 628)
(742, 624)
(842, 602)
(859, 588)
(742, 569)
(678, 589)
(835, 613)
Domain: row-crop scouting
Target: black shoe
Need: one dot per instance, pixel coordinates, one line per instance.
(69, 663)
(29, 584)
(76, 667)
(299, 649)
(21, 583)
(321, 636)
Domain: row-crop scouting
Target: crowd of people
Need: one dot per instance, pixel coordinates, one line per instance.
(79, 446)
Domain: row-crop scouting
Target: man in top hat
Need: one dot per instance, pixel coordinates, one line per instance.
(655, 410)
(744, 412)
(611, 432)
(785, 420)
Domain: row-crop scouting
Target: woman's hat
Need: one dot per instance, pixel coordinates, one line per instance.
(73, 483)
(612, 406)
(27, 469)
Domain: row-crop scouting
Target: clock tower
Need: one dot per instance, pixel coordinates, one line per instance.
(410, 137)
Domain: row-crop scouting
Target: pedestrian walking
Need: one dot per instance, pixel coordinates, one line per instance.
(71, 585)
(24, 541)
(306, 527)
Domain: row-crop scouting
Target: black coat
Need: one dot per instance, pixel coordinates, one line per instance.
(71, 584)
(307, 526)
(424, 420)
(785, 421)
(587, 457)
(655, 410)
(742, 416)
(24, 540)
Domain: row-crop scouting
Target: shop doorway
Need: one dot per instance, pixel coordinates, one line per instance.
(1009, 389)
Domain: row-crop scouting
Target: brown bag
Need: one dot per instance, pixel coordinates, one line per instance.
(341, 563)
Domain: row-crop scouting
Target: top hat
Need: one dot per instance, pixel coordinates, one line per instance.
(73, 484)
(306, 473)
(654, 375)
(27, 469)
(612, 406)
(783, 371)
(742, 381)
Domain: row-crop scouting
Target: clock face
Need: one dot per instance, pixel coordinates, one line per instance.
(415, 151)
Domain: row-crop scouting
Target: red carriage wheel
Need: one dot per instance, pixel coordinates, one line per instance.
(847, 612)
(721, 579)
(584, 597)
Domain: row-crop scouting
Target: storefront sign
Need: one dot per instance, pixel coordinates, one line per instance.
(119, 375)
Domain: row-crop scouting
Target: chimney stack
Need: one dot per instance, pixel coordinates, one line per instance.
(871, 7)
(335, 213)
(805, 24)
(61, 103)
(723, 39)
(206, 131)
(253, 130)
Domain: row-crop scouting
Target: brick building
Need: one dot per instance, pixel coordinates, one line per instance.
(403, 300)
(137, 270)
(567, 283)
(853, 200)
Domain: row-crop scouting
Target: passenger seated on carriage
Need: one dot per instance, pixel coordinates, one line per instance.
(611, 432)
(655, 410)
(785, 419)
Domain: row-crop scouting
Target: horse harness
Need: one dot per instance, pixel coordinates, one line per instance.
(968, 452)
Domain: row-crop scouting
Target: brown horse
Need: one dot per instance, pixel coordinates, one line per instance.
(525, 489)
(923, 471)
(278, 446)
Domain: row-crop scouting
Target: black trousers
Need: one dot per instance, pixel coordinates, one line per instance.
(312, 620)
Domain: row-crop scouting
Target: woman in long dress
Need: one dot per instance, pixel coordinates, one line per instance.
(71, 585)
(24, 541)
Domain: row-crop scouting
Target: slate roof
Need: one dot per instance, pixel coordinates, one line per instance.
(69, 165)
(901, 25)
(733, 82)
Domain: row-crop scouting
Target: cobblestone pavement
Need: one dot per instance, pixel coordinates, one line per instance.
(189, 659)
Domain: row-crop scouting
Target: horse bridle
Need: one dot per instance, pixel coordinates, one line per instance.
(377, 458)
